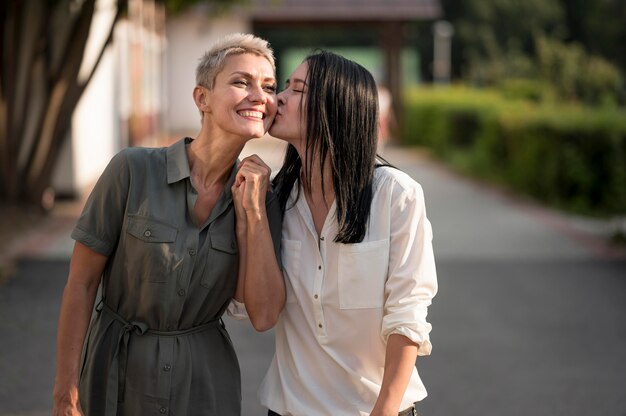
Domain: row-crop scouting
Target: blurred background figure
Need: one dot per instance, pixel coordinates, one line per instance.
(387, 120)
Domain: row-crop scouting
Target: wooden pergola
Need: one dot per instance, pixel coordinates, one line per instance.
(382, 23)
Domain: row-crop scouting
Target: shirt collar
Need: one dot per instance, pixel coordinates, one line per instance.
(178, 166)
(177, 161)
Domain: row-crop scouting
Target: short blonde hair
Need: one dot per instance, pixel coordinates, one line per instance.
(213, 61)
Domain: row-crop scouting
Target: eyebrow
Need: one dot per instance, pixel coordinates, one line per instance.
(296, 80)
(249, 75)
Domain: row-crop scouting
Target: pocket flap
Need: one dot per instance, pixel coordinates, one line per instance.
(224, 242)
(150, 231)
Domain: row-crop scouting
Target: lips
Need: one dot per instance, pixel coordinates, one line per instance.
(252, 113)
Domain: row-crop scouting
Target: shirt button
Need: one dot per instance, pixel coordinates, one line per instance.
(192, 252)
(322, 238)
(315, 296)
(319, 267)
(320, 325)
(163, 410)
(147, 233)
(167, 367)
(181, 292)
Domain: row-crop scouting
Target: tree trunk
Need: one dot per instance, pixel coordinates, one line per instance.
(40, 88)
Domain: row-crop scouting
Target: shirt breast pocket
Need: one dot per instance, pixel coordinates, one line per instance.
(222, 262)
(362, 274)
(150, 249)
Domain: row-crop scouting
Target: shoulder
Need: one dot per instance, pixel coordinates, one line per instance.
(140, 156)
(390, 178)
(397, 191)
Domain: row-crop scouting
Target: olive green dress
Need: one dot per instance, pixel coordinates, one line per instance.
(156, 345)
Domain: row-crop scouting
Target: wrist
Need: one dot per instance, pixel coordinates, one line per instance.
(66, 395)
(256, 216)
(241, 229)
(380, 410)
(386, 405)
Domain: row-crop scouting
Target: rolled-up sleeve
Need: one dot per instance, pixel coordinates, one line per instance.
(412, 279)
(101, 220)
(237, 310)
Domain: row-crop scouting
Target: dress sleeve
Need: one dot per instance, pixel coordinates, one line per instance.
(412, 279)
(100, 222)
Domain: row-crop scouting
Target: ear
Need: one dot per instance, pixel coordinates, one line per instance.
(200, 97)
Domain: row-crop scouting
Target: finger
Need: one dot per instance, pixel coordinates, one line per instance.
(241, 176)
(256, 160)
(251, 166)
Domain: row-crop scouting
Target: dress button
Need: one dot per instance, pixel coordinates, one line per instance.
(147, 233)
(192, 252)
(181, 292)
(163, 410)
(167, 367)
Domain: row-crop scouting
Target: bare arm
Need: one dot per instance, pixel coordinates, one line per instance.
(399, 362)
(262, 279)
(86, 267)
(241, 231)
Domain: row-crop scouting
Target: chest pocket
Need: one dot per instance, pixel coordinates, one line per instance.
(362, 274)
(222, 262)
(150, 249)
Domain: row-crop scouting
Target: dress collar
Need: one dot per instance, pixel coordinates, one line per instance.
(177, 161)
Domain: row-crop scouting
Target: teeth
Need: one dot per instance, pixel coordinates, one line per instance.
(255, 114)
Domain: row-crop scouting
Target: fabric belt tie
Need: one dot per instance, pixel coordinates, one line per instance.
(116, 381)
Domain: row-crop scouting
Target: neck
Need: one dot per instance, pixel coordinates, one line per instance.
(211, 158)
(315, 176)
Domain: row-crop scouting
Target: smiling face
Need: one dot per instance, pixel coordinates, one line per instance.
(242, 101)
(289, 124)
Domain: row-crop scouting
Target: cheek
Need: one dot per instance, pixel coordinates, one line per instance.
(271, 105)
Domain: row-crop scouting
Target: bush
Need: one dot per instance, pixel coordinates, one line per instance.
(577, 75)
(570, 156)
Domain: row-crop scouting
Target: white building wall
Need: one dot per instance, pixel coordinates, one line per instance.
(188, 35)
(94, 132)
(95, 125)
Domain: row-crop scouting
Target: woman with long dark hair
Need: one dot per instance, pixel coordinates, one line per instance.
(356, 252)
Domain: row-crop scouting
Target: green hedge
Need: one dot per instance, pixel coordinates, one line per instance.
(570, 156)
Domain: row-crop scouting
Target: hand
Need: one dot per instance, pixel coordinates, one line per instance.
(250, 187)
(67, 404)
(240, 212)
(67, 411)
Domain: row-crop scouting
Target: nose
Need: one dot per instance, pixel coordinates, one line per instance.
(257, 94)
(281, 98)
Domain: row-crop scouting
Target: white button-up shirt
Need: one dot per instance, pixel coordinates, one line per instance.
(344, 300)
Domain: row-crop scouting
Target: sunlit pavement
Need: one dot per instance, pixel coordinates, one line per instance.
(530, 317)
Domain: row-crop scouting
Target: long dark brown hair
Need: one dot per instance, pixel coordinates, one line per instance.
(341, 116)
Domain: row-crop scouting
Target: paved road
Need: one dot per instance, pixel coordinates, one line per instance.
(530, 317)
